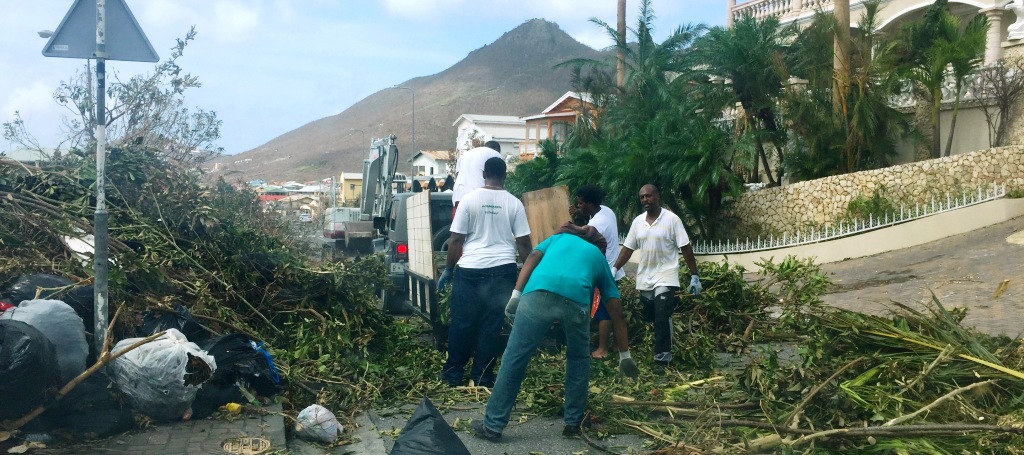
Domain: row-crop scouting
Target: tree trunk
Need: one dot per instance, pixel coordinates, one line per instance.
(952, 122)
(841, 56)
(936, 108)
(620, 58)
(761, 152)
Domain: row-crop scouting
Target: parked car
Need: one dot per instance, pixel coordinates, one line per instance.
(305, 217)
(396, 245)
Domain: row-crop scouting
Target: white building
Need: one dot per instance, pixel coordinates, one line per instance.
(433, 162)
(508, 130)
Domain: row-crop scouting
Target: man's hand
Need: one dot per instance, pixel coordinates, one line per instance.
(627, 366)
(512, 306)
(444, 279)
(695, 286)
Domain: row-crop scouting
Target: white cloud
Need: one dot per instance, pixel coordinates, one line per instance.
(234, 21)
(34, 101)
(434, 8)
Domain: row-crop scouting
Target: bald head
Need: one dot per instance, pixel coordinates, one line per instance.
(650, 198)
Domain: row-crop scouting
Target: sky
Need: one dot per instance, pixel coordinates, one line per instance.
(270, 66)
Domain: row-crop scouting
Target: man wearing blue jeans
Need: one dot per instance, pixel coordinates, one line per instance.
(555, 284)
(488, 229)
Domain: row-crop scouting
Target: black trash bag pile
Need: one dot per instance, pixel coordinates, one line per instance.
(241, 364)
(62, 326)
(92, 410)
(25, 287)
(155, 321)
(427, 433)
(29, 374)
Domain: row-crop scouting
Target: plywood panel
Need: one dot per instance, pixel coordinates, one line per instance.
(546, 210)
(421, 251)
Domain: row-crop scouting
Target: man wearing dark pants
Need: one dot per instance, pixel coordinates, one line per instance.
(555, 284)
(488, 229)
(659, 236)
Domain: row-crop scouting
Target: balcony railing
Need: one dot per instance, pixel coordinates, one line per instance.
(785, 10)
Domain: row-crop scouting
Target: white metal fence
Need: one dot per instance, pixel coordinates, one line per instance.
(845, 229)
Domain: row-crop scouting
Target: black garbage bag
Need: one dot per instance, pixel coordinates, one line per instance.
(154, 321)
(83, 301)
(426, 433)
(26, 286)
(28, 369)
(239, 362)
(91, 410)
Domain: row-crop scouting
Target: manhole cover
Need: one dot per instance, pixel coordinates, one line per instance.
(1017, 238)
(246, 446)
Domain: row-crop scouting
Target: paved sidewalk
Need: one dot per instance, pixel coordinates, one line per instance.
(196, 437)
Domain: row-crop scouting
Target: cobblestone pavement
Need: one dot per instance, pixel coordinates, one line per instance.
(196, 437)
(980, 270)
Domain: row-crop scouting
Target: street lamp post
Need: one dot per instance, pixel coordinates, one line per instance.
(413, 152)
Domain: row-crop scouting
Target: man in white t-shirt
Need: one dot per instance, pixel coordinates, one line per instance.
(488, 229)
(470, 169)
(659, 236)
(589, 208)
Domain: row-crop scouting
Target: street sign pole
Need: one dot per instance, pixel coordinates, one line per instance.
(84, 33)
(100, 268)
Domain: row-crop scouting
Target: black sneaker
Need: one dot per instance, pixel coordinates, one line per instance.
(482, 432)
(571, 431)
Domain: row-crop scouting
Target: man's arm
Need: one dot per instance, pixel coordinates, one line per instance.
(691, 261)
(624, 254)
(455, 244)
(614, 307)
(528, 265)
(523, 247)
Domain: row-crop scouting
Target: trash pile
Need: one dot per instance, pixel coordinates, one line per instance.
(163, 375)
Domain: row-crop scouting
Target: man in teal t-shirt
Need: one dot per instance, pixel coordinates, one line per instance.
(556, 284)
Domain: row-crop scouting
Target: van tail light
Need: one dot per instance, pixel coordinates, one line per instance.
(401, 252)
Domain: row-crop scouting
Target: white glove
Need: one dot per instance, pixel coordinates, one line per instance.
(615, 271)
(695, 286)
(512, 306)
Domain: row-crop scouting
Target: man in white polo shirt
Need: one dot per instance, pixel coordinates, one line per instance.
(659, 236)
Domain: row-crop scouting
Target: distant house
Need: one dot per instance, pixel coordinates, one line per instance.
(350, 188)
(34, 157)
(554, 123)
(507, 130)
(270, 193)
(432, 162)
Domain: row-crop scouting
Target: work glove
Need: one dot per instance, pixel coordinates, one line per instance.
(512, 306)
(444, 279)
(615, 271)
(627, 366)
(695, 286)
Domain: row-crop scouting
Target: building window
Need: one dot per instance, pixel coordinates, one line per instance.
(352, 186)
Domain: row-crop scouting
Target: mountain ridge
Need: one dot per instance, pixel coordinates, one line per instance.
(514, 75)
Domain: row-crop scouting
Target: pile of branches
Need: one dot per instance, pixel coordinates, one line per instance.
(210, 248)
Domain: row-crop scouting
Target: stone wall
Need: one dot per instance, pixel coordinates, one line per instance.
(824, 201)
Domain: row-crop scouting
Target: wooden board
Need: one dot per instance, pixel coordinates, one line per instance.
(546, 210)
(421, 250)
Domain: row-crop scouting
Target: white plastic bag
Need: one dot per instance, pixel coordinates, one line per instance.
(316, 423)
(62, 326)
(153, 375)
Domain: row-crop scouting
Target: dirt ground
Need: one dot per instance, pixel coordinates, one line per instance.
(981, 270)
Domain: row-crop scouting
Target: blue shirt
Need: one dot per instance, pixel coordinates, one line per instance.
(571, 267)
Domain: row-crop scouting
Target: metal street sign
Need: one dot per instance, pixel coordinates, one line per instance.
(76, 35)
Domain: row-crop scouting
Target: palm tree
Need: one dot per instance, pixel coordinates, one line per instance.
(935, 43)
(964, 53)
(750, 56)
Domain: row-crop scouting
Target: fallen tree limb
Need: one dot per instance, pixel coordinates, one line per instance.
(908, 431)
(935, 403)
(795, 415)
(683, 404)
